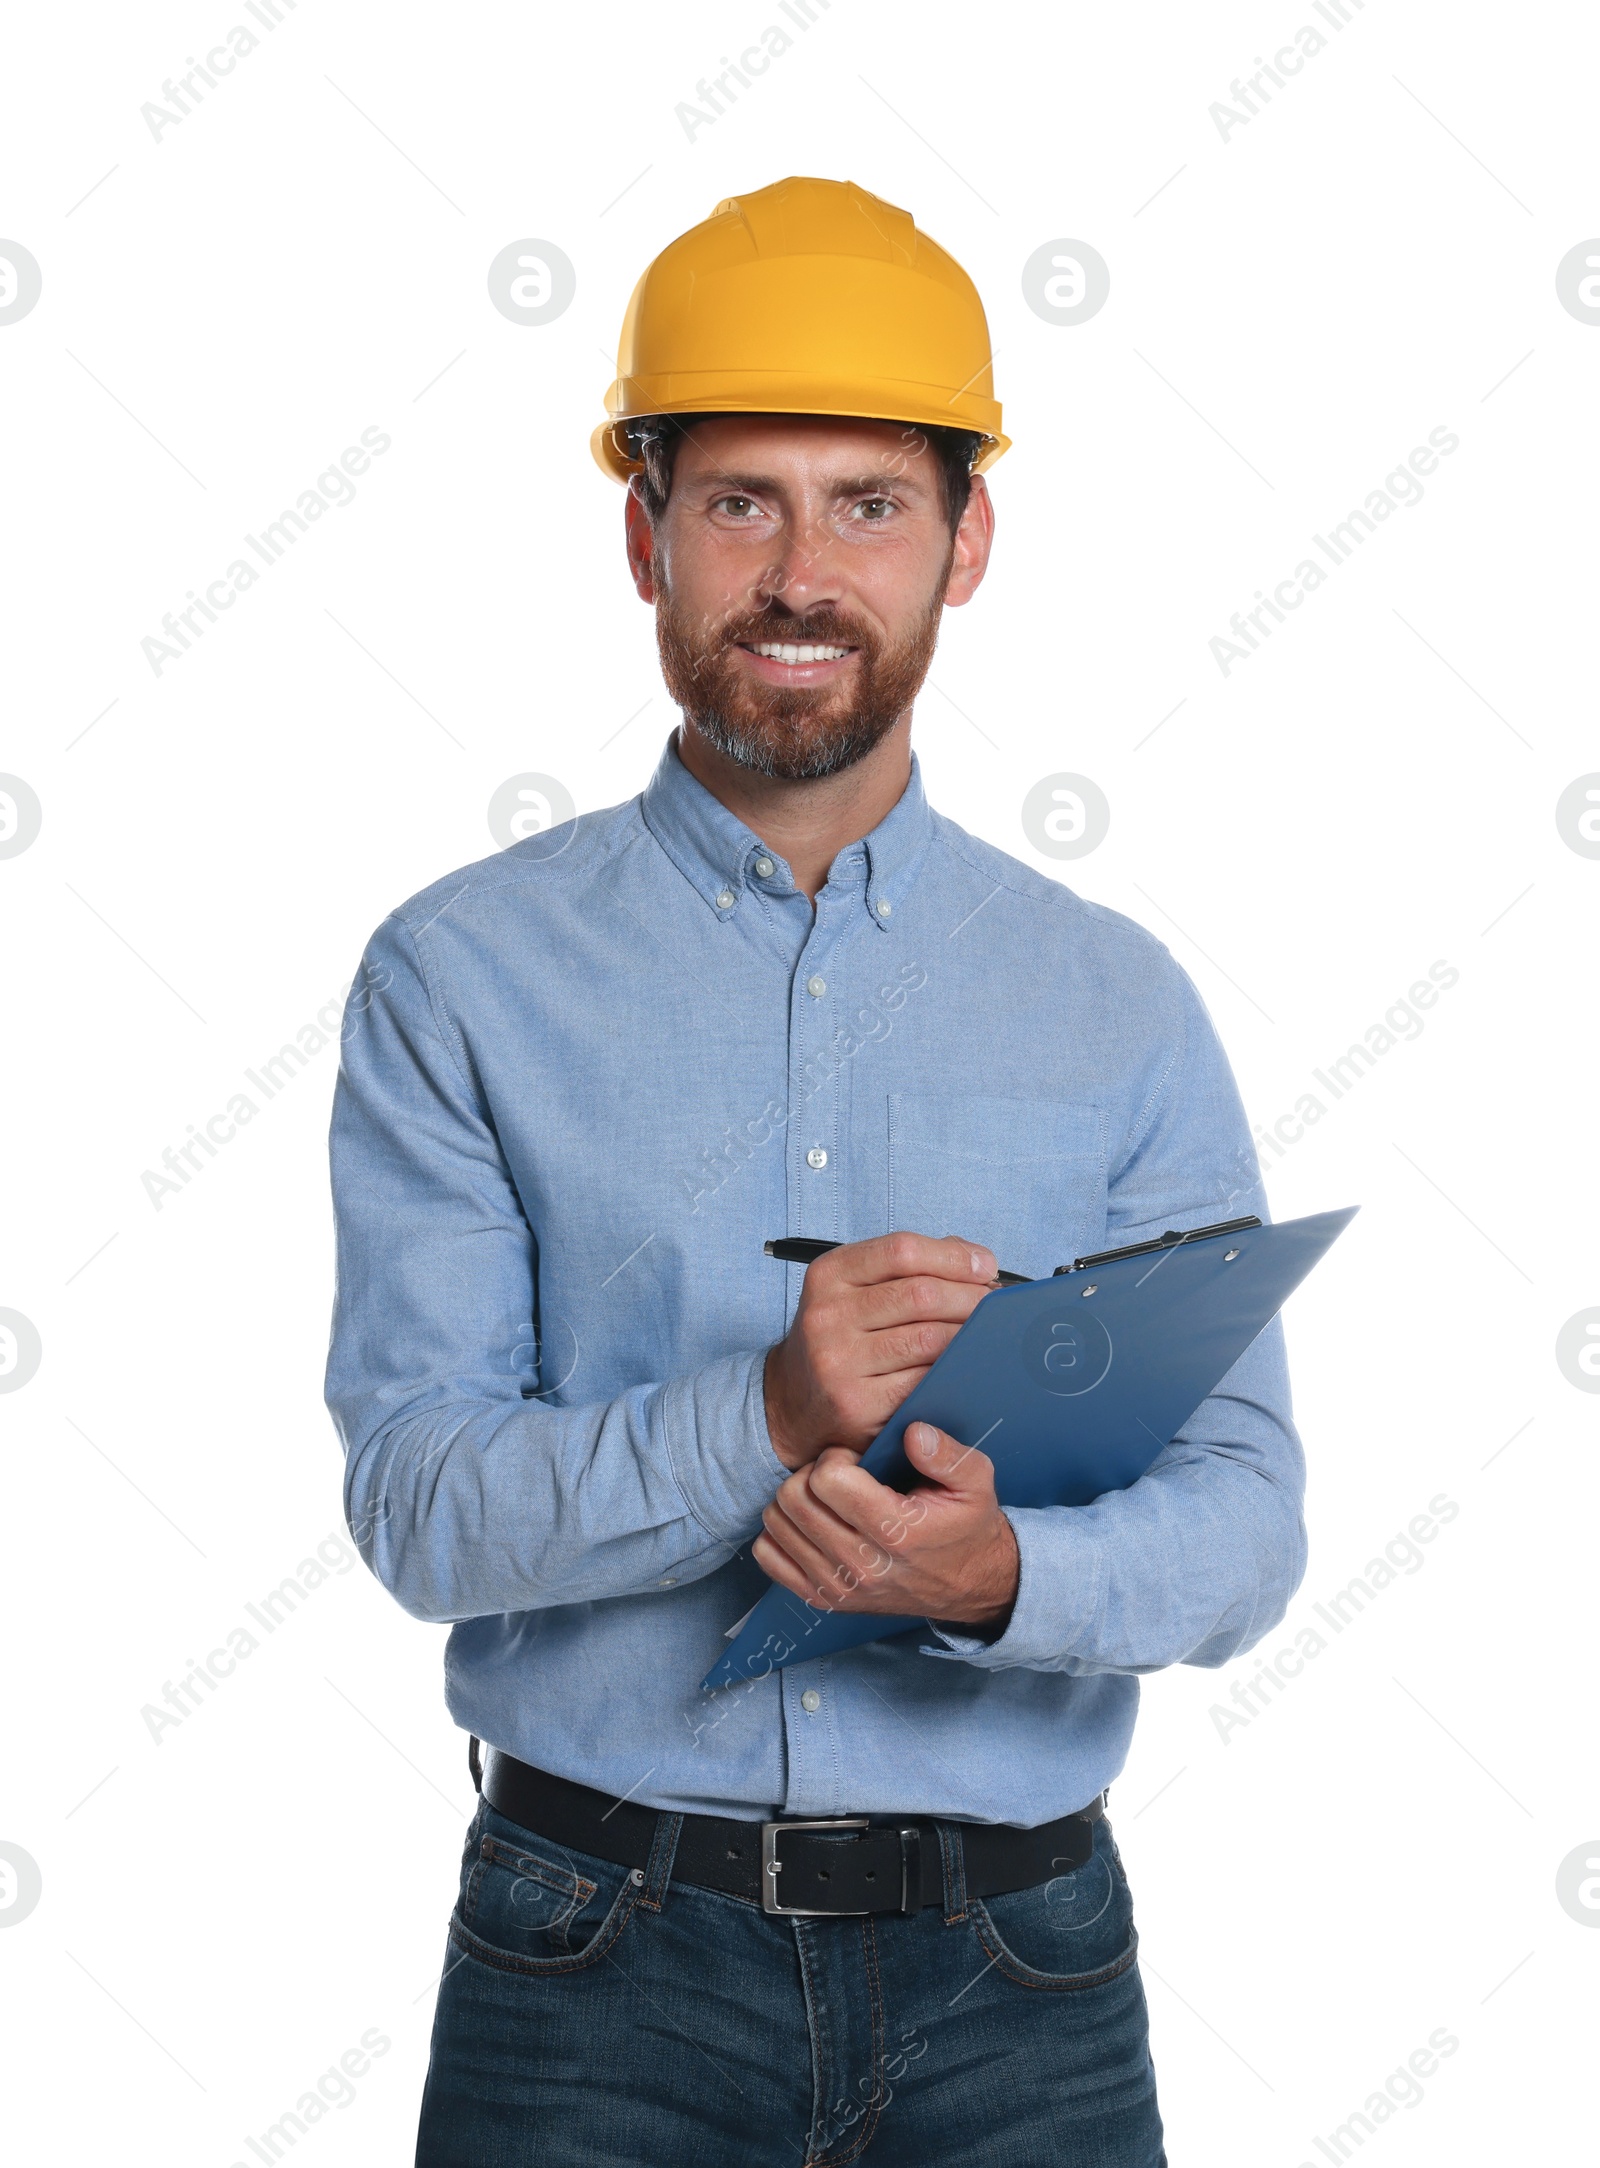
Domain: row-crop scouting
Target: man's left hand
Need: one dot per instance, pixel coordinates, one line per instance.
(843, 1541)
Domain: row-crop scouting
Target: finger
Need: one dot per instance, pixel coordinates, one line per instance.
(823, 1579)
(780, 1568)
(797, 1511)
(922, 1295)
(903, 1255)
(881, 1393)
(827, 1546)
(947, 1462)
(856, 1501)
(901, 1347)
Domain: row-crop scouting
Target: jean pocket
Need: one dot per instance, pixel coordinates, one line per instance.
(528, 1905)
(1074, 1931)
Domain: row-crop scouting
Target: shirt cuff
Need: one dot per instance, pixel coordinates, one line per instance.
(1058, 1595)
(715, 1423)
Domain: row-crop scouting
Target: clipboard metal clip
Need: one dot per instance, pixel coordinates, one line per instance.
(1171, 1240)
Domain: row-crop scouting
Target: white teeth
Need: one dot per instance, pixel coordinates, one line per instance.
(778, 651)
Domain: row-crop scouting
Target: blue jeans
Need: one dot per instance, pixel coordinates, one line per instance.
(593, 2016)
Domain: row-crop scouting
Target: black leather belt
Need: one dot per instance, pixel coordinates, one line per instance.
(853, 1863)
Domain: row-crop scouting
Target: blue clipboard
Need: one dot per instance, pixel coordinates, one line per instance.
(1072, 1386)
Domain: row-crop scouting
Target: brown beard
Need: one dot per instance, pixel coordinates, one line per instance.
(812, 731)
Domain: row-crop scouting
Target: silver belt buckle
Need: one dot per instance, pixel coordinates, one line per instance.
(772, 1866)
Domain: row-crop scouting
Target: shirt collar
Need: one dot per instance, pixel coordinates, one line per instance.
(722, 859)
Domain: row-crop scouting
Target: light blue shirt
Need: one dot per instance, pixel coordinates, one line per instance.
(582, 1082)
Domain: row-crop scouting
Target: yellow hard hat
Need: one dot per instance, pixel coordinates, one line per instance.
(808, 297)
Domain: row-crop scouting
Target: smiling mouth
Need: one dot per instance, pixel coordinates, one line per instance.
(794, 651)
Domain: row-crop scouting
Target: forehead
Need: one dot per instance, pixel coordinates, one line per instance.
(802, 447)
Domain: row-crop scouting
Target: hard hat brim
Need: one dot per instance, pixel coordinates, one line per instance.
(609, 446)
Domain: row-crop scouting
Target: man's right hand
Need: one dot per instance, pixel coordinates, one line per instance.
(873, 1319)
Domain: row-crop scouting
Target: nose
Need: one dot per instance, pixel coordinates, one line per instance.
(806, 574)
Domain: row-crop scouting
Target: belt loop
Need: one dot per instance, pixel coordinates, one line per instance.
(954, 1858)
(475, 1763)
(662, 1854)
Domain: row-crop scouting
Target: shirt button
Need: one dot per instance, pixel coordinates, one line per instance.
(816, 988)
(765, 867)
(816, 1157)
(725, 900)
(884, 907)
(671, 1581)
(811, 1701)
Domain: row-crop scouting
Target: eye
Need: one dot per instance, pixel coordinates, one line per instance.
(736, 507)
(875, 509)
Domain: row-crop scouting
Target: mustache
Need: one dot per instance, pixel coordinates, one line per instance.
(830, 628)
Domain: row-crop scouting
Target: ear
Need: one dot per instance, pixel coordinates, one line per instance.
(641, 542)
(974, 539)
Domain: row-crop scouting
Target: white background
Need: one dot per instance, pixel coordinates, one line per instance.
(1372, 256)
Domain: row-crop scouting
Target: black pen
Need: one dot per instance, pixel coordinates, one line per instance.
(802, 1250)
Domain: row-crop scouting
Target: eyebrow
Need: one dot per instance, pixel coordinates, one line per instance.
(861, 485)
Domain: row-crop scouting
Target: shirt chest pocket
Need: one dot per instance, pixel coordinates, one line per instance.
(1025, 1176)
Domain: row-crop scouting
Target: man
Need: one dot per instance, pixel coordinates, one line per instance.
(587, 1421)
